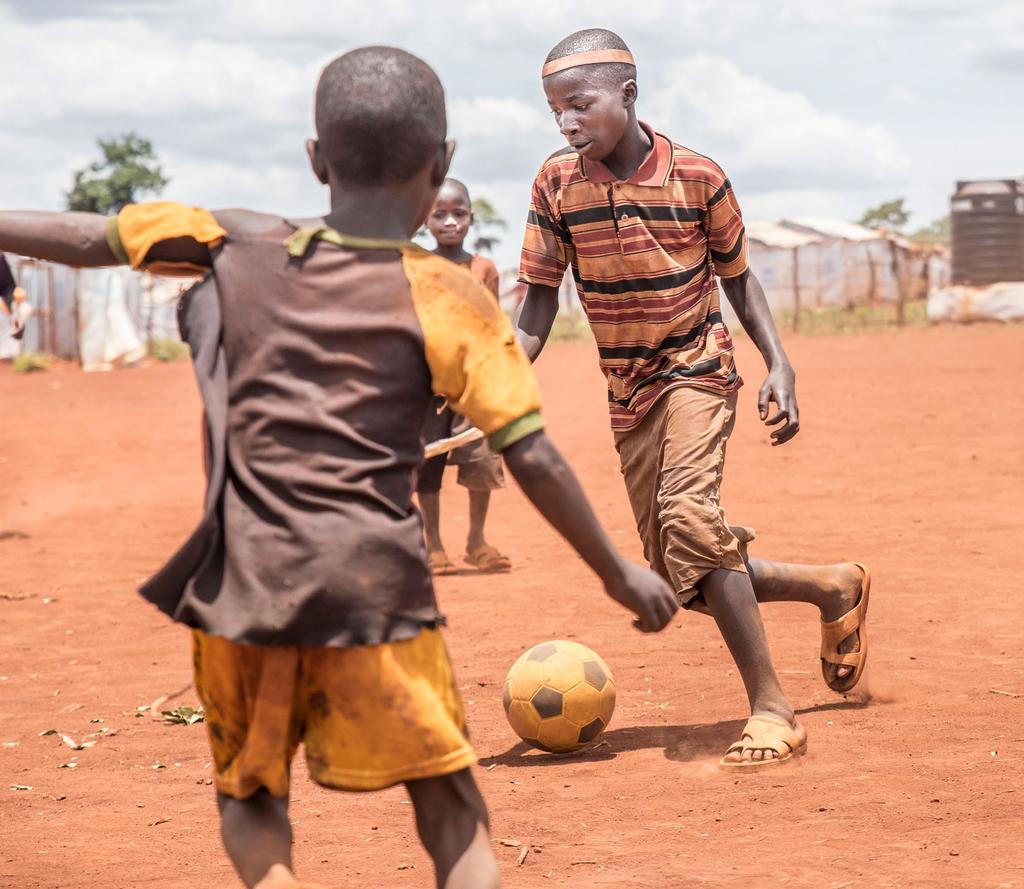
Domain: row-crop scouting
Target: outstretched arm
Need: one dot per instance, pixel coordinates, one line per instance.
(536, 315)
(549, 483)
(77, 239)
(747, 298)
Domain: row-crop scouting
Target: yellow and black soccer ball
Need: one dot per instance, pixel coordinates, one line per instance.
(559, 696)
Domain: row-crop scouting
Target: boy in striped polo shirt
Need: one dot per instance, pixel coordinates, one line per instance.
(646, 226)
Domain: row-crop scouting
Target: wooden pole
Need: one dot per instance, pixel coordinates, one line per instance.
(796, 289)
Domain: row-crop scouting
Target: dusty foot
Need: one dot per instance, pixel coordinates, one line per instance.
(845, 584)
(440, 564)
(767, 739)
(486, 558)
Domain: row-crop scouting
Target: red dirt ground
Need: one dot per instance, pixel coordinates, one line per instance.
(910, 459)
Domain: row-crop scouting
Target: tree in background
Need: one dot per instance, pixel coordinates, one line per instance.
(935, 233)
(129, 167)
(889, 214)
(485, 218)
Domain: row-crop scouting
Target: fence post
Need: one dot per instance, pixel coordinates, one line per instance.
(796, 289)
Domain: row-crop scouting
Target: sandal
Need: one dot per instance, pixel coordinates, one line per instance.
(764, 732)
(440, 565)
(488, 559)
(834, 632)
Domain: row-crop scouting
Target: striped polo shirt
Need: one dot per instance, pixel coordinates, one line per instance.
(644, 253)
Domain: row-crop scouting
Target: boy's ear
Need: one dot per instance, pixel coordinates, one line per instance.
(442, 162)
(316, 160)
(629, 93)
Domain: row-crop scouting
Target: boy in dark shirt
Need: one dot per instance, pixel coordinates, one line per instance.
(479, 467)
(318, 345)
(647, 225)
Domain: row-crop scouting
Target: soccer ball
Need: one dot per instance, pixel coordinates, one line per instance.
(559, 696)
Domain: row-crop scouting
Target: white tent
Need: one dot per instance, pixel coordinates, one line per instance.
(863, 266)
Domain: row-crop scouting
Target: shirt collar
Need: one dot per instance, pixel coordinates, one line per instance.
(653, 171)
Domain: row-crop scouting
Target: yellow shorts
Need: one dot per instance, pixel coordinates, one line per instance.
(370, 717)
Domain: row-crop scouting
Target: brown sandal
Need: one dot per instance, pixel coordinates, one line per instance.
(440, 565)
(488, 559)
(767, 733)
(835, 631)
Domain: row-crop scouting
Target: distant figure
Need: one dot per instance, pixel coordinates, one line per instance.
(15, 308)
(479, 467)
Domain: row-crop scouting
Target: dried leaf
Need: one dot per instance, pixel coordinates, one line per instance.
(49, 731)
(522, 856)
(183, 715)
(514, 844)
(68, 765)
(20, 787)
(159, 821)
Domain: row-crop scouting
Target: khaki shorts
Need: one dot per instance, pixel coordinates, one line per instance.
(480, 468)
(672, 464)
(369, 717)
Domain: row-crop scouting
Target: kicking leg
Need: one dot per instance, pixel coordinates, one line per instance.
(258, 838)
(835, 590)
(452, 822)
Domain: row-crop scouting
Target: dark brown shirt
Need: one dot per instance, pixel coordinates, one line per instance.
(317, 372)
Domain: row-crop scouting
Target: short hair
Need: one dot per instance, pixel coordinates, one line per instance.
(457, 183)
(380, 115)
(591, 39)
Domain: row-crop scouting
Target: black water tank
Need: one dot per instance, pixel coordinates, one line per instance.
(988, 232)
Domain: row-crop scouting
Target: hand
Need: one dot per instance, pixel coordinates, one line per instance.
(17, 327)
(646, 595)
(780, 386)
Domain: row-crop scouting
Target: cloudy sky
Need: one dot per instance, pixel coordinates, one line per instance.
(810, 106)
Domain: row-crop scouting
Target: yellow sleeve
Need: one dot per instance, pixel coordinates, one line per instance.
(474, 357)
(134, 232)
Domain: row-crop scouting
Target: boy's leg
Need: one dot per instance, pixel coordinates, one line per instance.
(835, 590)
(452, 822)
(479, 503)
(480, 476)
(430, 506)
(672, 464)
(730, 600)
(428, 491)
(248, 692)
(258, 837)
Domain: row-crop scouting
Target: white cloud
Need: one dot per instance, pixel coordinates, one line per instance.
(768, 138)
(795, 99)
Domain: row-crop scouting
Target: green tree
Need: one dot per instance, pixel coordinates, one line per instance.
(889, 214)
(486, 218)
(935, 233)
(129, 167)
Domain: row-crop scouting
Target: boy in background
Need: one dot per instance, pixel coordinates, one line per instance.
(479, 467)
(647, 225)
(13, 304)
(318, 345)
